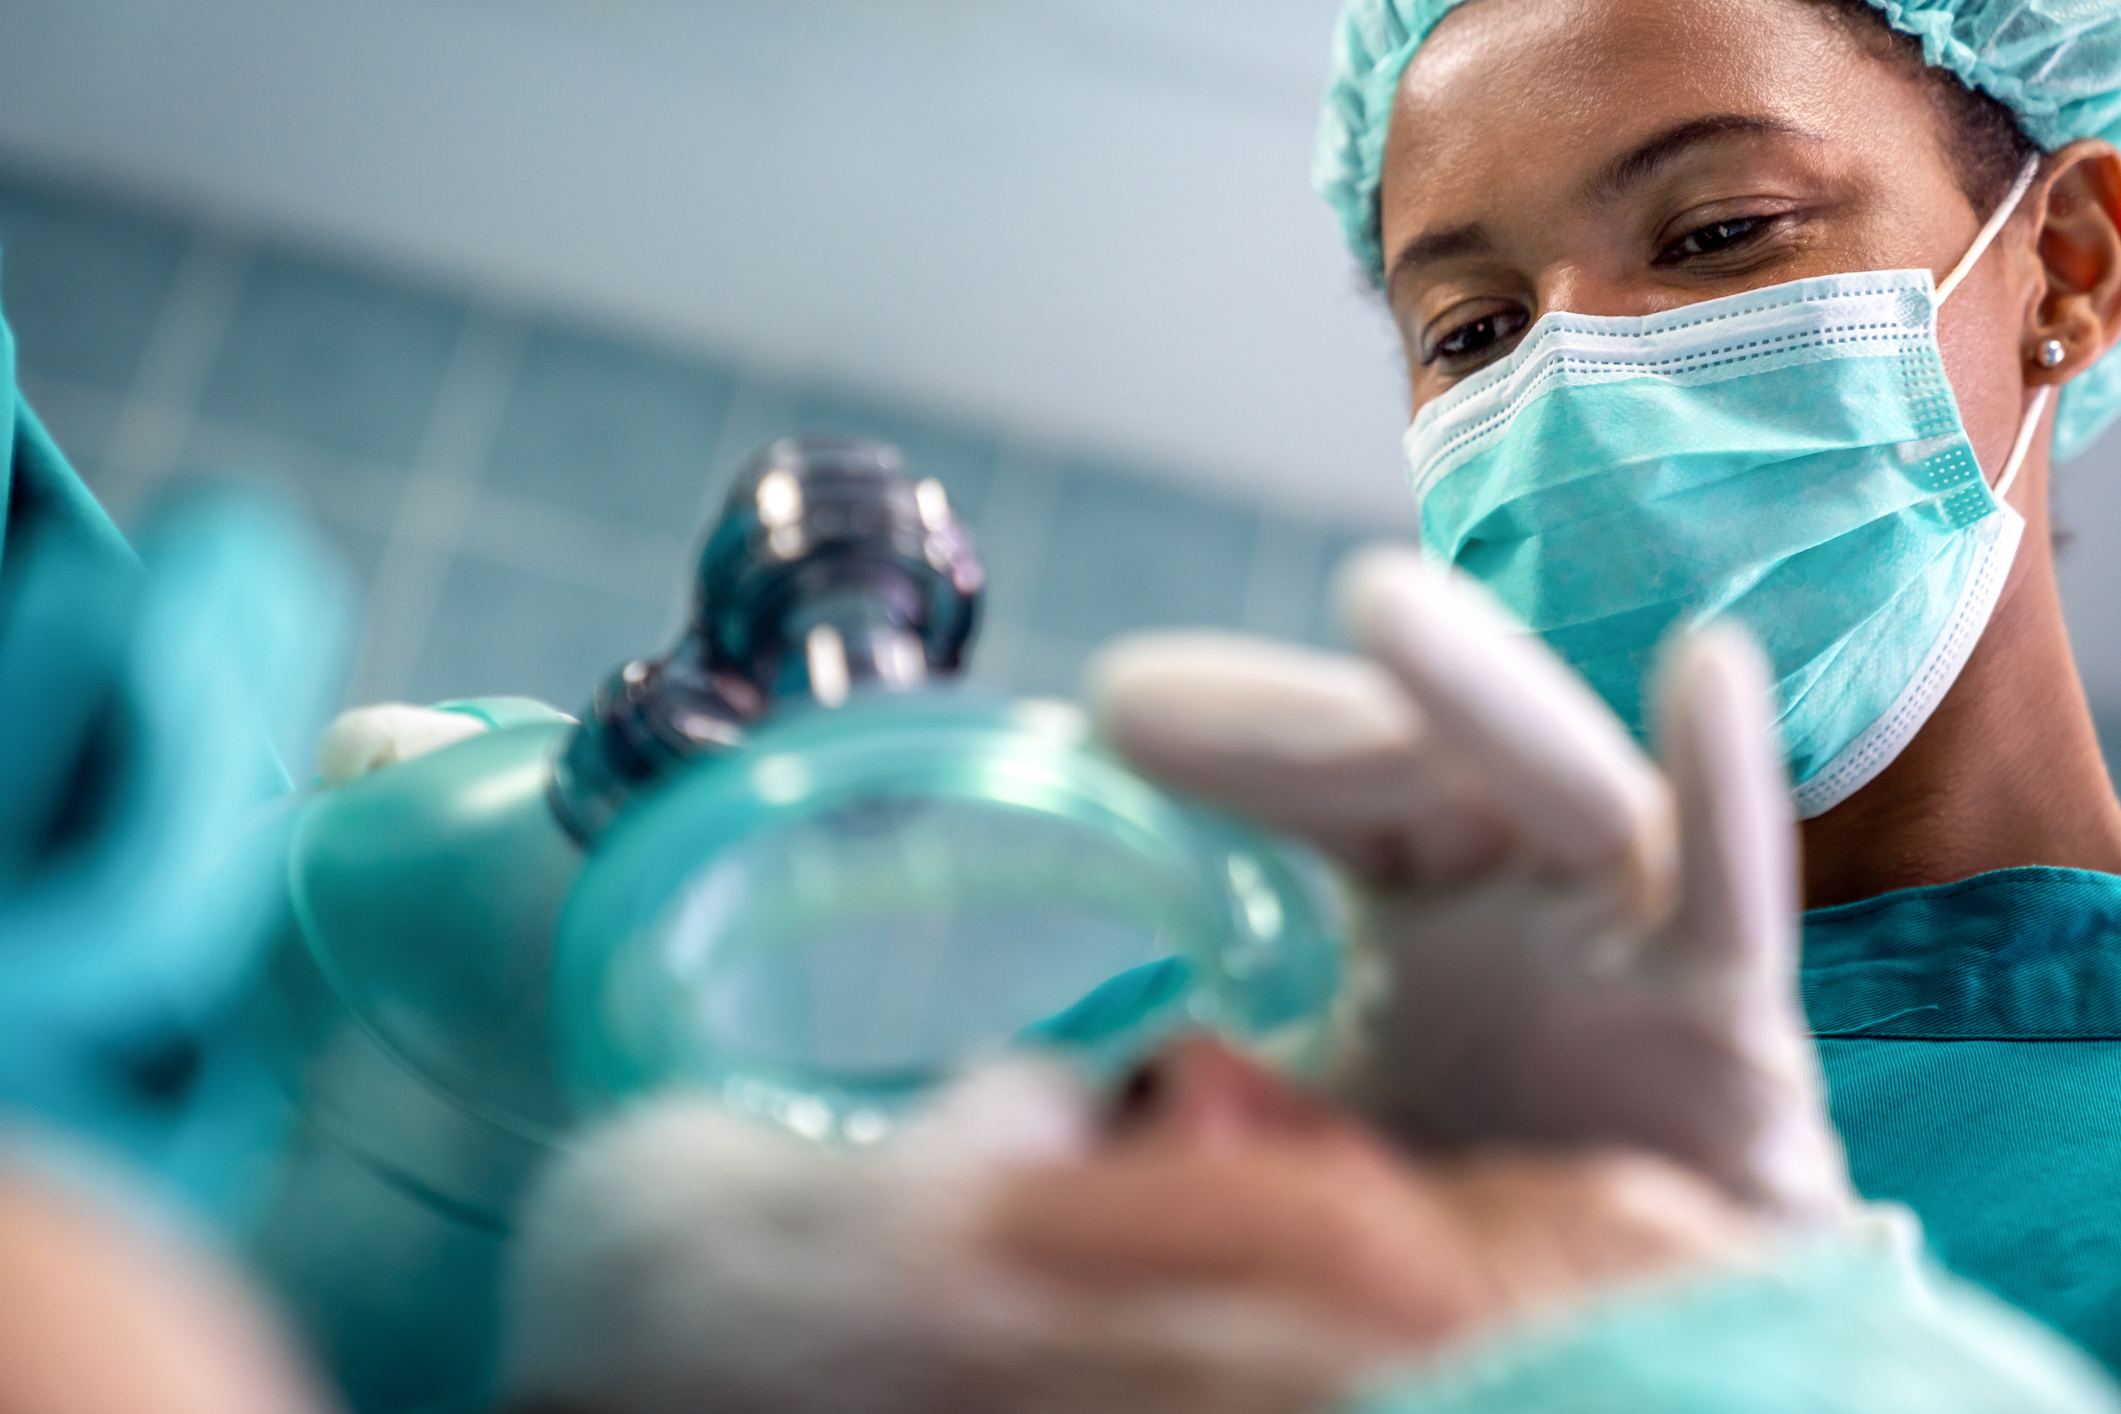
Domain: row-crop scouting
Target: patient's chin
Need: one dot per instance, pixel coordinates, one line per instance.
(686, 1259)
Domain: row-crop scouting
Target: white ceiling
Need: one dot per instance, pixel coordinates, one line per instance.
(1088, 220)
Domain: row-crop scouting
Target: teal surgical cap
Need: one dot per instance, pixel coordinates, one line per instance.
(2055, 63)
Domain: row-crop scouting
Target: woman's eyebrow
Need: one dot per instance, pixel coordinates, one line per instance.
(1440, 244)
(1633, 166)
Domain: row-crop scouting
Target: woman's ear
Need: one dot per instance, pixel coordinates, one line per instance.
(2080, 250)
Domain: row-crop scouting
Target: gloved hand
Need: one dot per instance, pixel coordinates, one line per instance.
(139, 855)
(364, 739)
(1572, 947)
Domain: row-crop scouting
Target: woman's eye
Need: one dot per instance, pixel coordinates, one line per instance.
(1715, 236)
(1476, 337)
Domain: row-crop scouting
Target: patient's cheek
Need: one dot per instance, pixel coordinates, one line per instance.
(1554, 1229)
(1330, 1235)
(1418, 1254)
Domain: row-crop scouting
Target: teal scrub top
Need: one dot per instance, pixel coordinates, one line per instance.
(1971, 1036)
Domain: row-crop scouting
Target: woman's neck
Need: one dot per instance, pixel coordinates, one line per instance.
(2006, 772)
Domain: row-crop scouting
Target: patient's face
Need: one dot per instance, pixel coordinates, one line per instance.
(1209, 1171)
(1210, 1238)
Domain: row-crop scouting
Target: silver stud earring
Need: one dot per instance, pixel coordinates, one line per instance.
(2052, 353)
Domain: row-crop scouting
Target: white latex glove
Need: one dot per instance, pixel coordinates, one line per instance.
(364, 739)
(1577, 949)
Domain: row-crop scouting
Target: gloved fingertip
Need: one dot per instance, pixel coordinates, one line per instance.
(367, 739)
(1129, 684)
(1719, 661)
(1120, 670)
(1576, 788)
(1718, 745)
(1367, 578)
(1715, 722)
(1379, 586)
(1202, 692)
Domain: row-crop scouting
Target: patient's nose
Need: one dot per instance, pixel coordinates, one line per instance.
(1201, 1091)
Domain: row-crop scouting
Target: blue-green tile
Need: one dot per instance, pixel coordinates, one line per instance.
(1325, 627)
(1125, 552)
(82, 281)
(336, 359)
(358, 550)
(499, 630)
(356, 493)
(1043, 667)
(80, 420)
(1281, 593)
(613, 430)
(960, 457)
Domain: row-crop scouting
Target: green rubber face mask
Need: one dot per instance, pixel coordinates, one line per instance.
(1790, 459)
(823, 927)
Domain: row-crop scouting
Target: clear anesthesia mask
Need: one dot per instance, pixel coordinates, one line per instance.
(881, 876)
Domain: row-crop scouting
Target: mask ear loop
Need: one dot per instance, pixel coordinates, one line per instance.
(1988, 230)
(2024, 444)
(1982, 239)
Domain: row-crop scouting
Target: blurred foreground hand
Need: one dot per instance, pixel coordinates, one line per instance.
(1574, 947)
(102, 1313)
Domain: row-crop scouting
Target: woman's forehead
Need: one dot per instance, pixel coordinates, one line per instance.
(1515, 104)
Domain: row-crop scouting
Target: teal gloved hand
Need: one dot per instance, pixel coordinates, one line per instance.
(1574, 947)
(140, 712)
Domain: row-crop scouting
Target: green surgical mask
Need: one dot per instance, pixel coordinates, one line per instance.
(1790, 459)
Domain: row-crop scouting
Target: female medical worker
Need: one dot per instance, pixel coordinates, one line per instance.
(1758, 309)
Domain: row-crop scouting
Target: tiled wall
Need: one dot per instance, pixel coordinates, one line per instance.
(520, 495)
